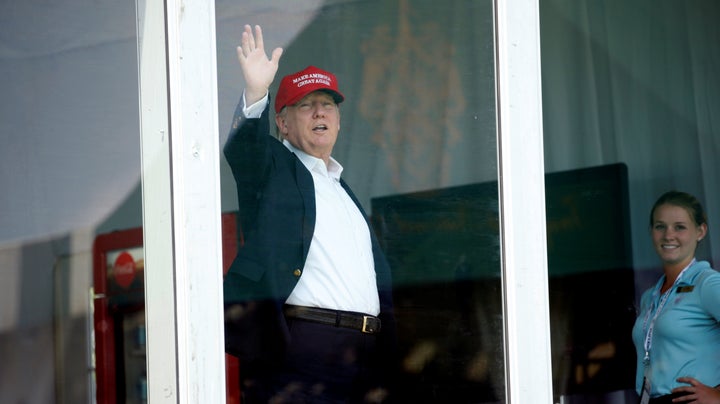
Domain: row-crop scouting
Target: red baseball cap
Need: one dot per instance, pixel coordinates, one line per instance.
(295, 86)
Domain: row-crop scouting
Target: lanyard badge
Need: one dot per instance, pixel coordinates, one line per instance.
(649, 325)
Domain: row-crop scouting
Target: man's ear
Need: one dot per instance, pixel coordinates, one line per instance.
(281, 124)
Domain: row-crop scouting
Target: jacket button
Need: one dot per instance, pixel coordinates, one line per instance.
(297, 272)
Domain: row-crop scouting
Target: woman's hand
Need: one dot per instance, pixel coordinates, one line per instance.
(698, 392)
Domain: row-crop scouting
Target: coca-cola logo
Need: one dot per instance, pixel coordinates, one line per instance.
(124, 270)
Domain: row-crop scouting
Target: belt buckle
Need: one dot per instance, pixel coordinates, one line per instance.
(365, 325)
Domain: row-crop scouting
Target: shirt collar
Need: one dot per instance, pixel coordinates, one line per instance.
(312, 163)
(684, 278)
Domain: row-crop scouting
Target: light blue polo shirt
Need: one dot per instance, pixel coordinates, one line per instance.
(686, 334)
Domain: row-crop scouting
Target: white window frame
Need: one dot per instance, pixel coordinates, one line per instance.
(181, 201)
(521, 178)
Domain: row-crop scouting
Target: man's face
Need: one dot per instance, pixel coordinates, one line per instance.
(311, 125)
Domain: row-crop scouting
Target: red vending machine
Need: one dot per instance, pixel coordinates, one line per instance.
(119, 315)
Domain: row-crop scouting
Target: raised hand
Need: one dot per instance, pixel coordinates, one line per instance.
(257, 69)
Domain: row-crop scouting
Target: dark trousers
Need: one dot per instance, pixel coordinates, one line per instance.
(324, 364)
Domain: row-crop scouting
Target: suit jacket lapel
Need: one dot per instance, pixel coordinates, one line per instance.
(352, 196)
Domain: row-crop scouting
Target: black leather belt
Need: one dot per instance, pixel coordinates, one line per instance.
(356, 321)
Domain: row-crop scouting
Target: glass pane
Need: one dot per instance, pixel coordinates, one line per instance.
(628, 90)
(69, 171)
(418, 147)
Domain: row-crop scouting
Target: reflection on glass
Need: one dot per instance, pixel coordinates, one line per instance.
(443, 247)
(119, 317)
(591, 281)
(418, 117)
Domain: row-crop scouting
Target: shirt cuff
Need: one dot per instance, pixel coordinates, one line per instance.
(255, 110)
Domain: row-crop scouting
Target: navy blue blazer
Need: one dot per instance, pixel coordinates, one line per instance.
(276, 215)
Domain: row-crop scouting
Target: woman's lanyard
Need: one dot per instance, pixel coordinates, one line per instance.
(651, 327)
